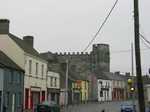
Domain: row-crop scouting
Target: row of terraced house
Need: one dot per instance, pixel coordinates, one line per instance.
(28, 77)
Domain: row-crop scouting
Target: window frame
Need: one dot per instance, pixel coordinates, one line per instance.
(42, 70)
(36, 68)
(30, 66)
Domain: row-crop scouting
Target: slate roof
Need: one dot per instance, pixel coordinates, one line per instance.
(103, 76)
(112, 76)
(22, 44)
(5, 61)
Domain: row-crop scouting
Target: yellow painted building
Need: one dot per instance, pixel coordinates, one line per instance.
(83, 87)
(84, 90)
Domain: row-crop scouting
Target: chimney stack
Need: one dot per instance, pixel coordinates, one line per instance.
(4, 26)
(29, 40)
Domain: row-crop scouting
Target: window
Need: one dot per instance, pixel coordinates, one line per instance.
(36, 72)
(16, 77)
(19, 99)
(100, 82)
(55, 81)
(7, 99)
(9, 76)
(107, 94)
(12, 76)
(108, 85)
(30, 66)
(101, 93)
(42, 71)
(85, 86)
(51, 78)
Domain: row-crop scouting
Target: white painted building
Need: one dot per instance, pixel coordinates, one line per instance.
(53, 86)
(147, 92)
(104, 89)
(21, 51)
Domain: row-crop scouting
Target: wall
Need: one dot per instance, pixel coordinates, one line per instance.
(1, 79)
(54, 75)
(1, 87)
(100, 58)
(33, 79)
(93, 87)
(84, 90)
(13, 86)
(104, 84)
(147, 93)
(9, 47)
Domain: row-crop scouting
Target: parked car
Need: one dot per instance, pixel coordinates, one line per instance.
(128, 108)
(47, 107)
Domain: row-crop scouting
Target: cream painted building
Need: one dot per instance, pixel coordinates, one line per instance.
(53, 86)
(21, 51)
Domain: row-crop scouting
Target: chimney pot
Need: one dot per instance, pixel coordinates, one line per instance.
(29, 40)
(4, 26)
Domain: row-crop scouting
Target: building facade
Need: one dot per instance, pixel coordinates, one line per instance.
(104, 90)
(53, 87)
(118, 86)
(11, 85)
(22, 52)
(81, 91)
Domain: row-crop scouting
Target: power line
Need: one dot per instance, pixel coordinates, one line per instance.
(145, 39)
(101, 26)
(144, 42)
(125, 51)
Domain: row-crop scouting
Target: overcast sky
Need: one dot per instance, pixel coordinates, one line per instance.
(68, 26)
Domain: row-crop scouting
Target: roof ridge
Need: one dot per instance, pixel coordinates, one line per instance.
(23, 45)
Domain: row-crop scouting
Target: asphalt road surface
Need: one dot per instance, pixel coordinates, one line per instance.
(98, 107)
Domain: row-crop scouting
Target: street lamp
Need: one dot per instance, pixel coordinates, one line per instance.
(131, 89)
(130, 81)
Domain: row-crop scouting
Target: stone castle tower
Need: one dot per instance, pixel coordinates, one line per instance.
(100, 58)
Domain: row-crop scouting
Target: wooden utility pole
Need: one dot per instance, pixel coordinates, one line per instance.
(138, 59)
(66, 84)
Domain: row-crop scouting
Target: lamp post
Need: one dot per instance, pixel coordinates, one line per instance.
(131, 90)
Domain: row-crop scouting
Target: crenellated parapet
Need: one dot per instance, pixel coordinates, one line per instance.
(75, 54)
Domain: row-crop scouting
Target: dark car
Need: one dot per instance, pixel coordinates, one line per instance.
(128, 108)
(47, 107)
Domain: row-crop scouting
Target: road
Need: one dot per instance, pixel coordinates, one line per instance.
(98, 107)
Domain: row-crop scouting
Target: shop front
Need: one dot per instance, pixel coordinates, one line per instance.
(53, 95)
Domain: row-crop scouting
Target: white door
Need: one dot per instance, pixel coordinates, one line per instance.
(13, 102)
